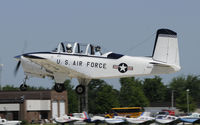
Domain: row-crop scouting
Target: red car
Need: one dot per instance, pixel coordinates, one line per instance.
(171, 112)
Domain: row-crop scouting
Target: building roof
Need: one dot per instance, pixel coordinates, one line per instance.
(22, 95)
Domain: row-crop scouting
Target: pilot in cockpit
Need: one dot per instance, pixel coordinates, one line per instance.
(98, 51)
(69, 48)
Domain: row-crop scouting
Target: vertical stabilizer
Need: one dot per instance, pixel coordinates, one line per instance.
(86, 116)
(166, 47)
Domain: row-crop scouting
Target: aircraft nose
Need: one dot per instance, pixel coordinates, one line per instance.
(18, 57)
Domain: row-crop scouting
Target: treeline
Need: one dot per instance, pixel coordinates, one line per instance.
(13, 88)
(134, 92)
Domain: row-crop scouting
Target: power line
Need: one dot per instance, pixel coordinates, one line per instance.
(140, 43)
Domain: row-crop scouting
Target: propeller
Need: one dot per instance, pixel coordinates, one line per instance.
(19, 58)
(17, 67)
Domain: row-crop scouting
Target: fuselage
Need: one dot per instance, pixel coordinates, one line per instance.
(87, 61)
(43, 64)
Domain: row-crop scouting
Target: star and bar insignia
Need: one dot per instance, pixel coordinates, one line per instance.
(122, 67)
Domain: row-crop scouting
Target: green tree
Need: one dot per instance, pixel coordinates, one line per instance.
(93, 87)
(102, 97)
(181, 102)
(180, 84)
(36, 88)
(154, 89)
(9, 88)
(193, 84)
(168, 94)
(131, 93)
(72, 97)
(12, 88)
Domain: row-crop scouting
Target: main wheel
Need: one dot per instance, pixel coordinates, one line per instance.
(59, 87)
(80, 89)
(23, 87)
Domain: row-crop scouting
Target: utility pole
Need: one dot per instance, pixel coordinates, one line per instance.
(188, 101)
(172, 106)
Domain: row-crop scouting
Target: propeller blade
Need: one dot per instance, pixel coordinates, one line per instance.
(17, 68)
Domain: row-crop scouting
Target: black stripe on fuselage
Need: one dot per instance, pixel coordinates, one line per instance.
(30, 56)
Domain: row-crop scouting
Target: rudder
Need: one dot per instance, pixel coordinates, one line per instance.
(166, 47)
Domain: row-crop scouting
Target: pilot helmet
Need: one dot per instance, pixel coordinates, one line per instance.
(69, 46)
(97, 48)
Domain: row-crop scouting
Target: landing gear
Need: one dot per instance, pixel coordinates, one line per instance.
(59, 87)
(23, 86)
(80, 89)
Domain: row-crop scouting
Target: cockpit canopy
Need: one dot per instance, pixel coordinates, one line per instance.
(84, 49)
(77, 48)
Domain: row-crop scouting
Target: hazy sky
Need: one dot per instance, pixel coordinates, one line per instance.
(116, 25)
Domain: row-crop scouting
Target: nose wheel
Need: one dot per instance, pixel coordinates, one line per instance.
(23, 86)
(80, 89)
(59, 87)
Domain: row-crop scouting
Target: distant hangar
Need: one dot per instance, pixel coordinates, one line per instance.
(33, 106)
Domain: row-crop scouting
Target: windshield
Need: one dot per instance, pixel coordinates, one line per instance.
(78, 48)
(63, 47)
(84, 49)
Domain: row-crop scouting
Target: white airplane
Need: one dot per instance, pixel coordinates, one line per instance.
(76, 118)
(6, 122)
(166, 119)
(143, 119)
(86, 62)
(194, 117)
(115, 120)
(67, 119)
(95, 119)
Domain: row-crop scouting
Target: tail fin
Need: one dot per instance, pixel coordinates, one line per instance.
(166, 47)
(86, 116)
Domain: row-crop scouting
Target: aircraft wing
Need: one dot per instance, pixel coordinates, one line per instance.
(115, 120)
(95, 119)
(66, 119)
(52, 67)
(140, 121)
(190, 120)
(161, 121)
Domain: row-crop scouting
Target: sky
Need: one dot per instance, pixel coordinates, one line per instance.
(122, 26)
